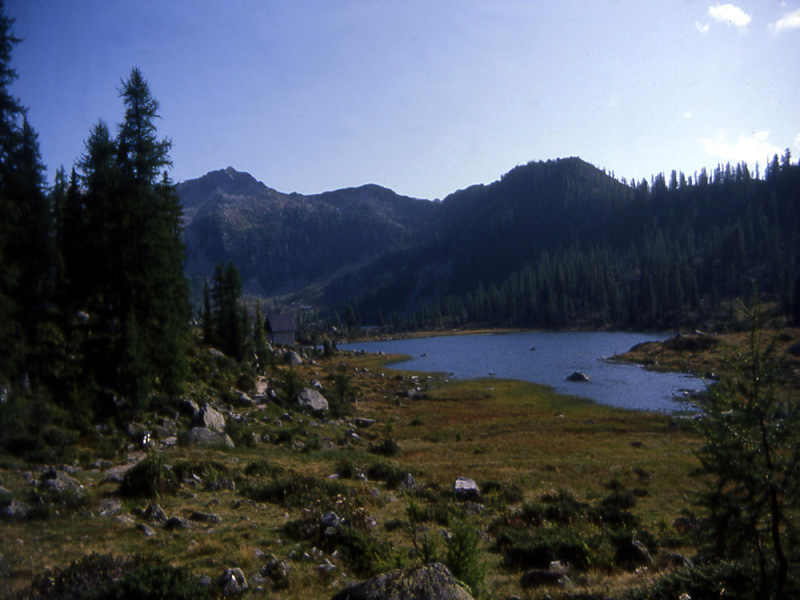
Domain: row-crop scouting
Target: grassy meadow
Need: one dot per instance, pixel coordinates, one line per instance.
(524, 445)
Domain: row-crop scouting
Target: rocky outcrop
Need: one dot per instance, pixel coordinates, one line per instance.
(428, 582)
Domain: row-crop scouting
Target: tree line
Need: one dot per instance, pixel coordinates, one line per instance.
(94, 309)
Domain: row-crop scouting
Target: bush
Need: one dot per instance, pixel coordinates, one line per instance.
(151, 477)
(294, 491)
(386, 447)
(102, 576)
(537, 549)
(561, 507)
(262, 468)
(463, 556)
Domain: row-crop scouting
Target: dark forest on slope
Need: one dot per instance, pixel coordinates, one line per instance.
(562, 244)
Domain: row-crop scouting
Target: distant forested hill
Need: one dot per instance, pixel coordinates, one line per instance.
(551, 244)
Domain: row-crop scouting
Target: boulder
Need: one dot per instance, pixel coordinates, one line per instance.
(431, 582)
(633, 554)
(155, 513)
(203, 517)
(176, 523)
(189, 407)
(200, 436)
(210, 419)
(579, 377)
(540, 577)
(292, 358)
(146, 530)
(363, 422)
(232, 582)
(110, 507)
(14, 510)
(465, 488)
(311, 399)
(674, 560)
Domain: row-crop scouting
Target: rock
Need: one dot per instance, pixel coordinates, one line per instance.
(579, 377)
(14, 510)
(330, 519)
(794, 349)
(291, 357)
(363, 422)
(58, 482)
(155, 513)
(232, 581)
(465, 488)
(674, 560)
(407, 483)
(210, 419)
(633, 554)
(244, 398)
(311, 399)
(176, 523)
(428, 582)
(189, 407)
(200, 436)
(279, 572)
(540, 577)
(202, 517)
(146, 530)
(110, 507)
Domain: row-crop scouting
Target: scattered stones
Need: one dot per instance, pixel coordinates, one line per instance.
(432, 582)
(232, 581)
(200, 436)
(579, 377)
(58, 482)
(465, 488)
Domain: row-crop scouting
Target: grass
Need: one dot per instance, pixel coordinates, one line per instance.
(497, 432)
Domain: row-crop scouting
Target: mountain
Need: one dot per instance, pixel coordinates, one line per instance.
(284, 242)
(553, 243)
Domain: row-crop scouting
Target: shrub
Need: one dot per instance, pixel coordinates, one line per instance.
(151, 477)
(463, 556)
(561, 507)
(102, 576)
(294, 491)
(262, 468)
(537, 549)
(386, 447)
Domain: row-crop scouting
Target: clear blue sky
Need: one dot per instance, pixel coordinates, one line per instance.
(422, 96)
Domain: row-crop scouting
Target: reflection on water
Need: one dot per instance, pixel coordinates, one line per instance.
(549, 358)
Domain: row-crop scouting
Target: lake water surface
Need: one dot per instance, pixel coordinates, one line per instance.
(548, 358)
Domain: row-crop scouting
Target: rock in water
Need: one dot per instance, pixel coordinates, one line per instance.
(579, 377)
(430, 582)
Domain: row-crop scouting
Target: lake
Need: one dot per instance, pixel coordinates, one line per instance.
(548, 358)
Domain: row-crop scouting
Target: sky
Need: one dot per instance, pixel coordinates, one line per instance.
(421, 96)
